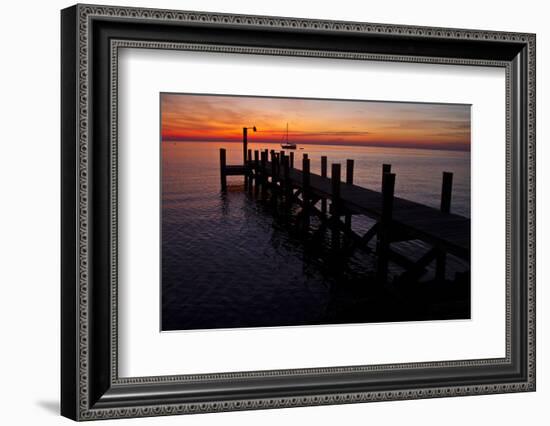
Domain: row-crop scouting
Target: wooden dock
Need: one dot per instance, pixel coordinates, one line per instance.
(336, 202)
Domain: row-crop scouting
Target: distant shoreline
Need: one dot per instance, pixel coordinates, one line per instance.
(361, 145)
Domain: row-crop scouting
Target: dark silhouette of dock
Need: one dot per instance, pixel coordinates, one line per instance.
(335, 201)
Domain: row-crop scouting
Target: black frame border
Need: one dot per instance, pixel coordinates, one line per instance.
(90, 387)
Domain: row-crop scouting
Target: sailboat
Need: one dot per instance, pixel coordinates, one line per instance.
(286, 144)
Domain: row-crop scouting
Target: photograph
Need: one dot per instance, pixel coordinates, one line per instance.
(273, 207)
(283, 211)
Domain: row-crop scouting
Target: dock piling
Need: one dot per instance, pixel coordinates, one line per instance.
(349, 181)
(388, 189)
(291, 160)
(245, 143)
(349, 171)
(255, 168)
(446, 192)
(324, 174)
(263, 172)
(386, 168)
(223, 163)
(287, 183)
(248, 170)
(305, 192)
(335, 206)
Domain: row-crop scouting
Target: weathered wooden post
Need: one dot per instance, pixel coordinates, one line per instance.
(349, 181)
(256, 167)
(335, 206)
(272, 157)
(305, 192)
(388, 188)
(280, 168)
(263, 172)
(248, 170)
(223, 163)
(245, 144)
(291, 160)
(287, 184)
(349, 171)
(446, 192)
(273, 176)
(324, 174)
(386, 168)
(306, 156)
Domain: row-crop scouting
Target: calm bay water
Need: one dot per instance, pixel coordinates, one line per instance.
(227, 262)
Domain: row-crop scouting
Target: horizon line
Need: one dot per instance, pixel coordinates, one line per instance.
(453, 147)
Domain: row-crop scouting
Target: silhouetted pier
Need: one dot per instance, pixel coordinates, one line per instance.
(335, 202)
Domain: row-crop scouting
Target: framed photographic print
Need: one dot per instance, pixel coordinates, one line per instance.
(263, 212)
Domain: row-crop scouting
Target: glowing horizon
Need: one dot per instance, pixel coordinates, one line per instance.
(186, 117)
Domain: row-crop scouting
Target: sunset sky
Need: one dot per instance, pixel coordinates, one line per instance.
(391, 124)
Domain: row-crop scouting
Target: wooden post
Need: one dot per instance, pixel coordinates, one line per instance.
(349, 172)
(305, 156)
(446, 191)
(335, 217)
(291, 160)
(248, 169)
(273, 167)
(305, 192)
(388, 188)
(281, 169)
(256, 166)
(223, 162)
(263, 172)
(386, 168)
(274, 179)
(349, 181)
(288, 186)
(245, 144)
(324, 174)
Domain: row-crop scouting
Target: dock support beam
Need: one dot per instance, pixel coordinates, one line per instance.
(349, 181)
(324, 174)
(291, 160)
(335, 207)
(248, 170)
(245, 143)
(305, 192)
(386, 168)
(446, 192)
(256, 167)
(263, 172)
(223, 163)
(383, 243)
(287, 183)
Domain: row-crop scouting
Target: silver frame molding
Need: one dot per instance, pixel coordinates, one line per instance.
(91, 387)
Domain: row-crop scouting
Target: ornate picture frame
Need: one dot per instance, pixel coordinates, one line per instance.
(91, 37)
